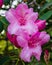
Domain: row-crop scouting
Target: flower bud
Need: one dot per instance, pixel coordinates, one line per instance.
(1, 3)
(46, 56)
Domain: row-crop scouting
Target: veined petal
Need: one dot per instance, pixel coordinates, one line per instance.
(13, 28)
(37, 52)
(44, 37)
(29, 11)
(21, 9)
(22, 5)
(42, 34)
(30, 27)
(22, 41)
(32, 16)
(26, 54)
(11, 16)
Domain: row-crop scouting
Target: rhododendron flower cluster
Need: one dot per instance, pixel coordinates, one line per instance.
(1, 3)
(24, 31)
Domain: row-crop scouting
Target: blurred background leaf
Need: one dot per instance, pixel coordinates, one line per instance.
(46, 5)
(4, 21)
(6, 2)
(4, 59)
(1, 26)
(46, 15)
(49, 0)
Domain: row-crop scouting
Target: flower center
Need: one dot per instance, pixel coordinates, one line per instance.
(22, 21)
(34, 40)
(30, 43)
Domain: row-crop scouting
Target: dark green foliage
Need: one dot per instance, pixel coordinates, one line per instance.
(46, 15)
(1, 26)
(6, 2)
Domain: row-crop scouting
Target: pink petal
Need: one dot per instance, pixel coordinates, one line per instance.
(40, 38)
(37, 52)
(22, 41)
(22, 38)
(41, 24)
(32, 16)
(42, 34)
(26, 54)
(22, 6)
(21, 9)
(44, 37)
(30, 28)
(34, 40)
(30, 10)
(11, 16)
(13, 28)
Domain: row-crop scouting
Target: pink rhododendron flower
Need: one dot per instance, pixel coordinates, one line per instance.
(24, 31)
(33, 45)
(22, 18)
(1, 3)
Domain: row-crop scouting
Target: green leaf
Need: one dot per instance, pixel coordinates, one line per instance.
(4, 21)
(46, 16)
(40, 63)
(50, 31)
(1, 26)
(45, 6)
(4, 59)
(49, 0)
(6, 2)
